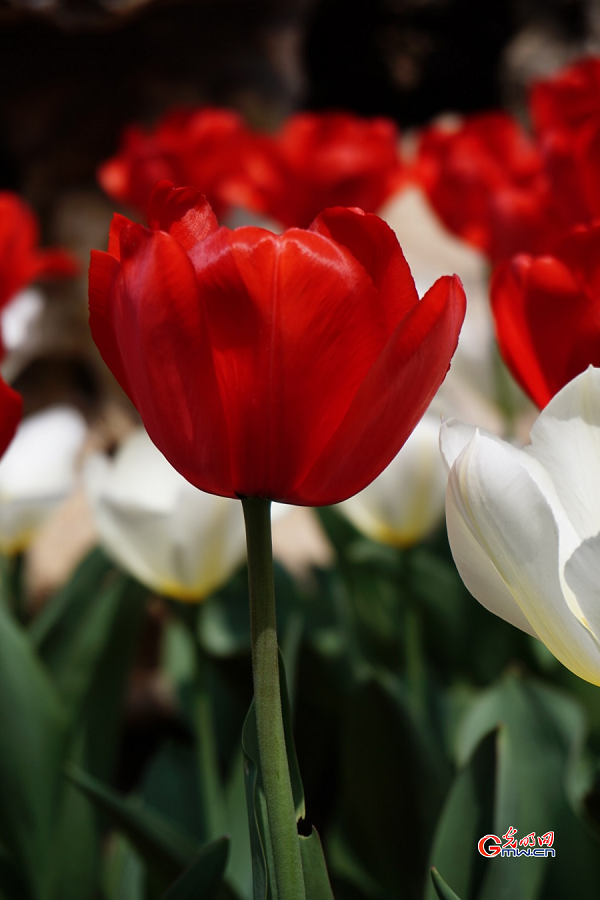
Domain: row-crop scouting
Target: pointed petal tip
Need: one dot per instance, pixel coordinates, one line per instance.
(183, 212)
(455, 436)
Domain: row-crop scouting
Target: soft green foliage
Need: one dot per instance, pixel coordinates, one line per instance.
(420, 724)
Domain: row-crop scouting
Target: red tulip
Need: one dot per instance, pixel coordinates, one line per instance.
(547, 313)
(568, 99)
(566, 115)
(11, 407)
(320, 160)
(203, 147)
(290, 367)
(486, 180)
(20, 260)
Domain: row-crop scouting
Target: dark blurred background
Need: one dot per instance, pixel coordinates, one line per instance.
(74, 72)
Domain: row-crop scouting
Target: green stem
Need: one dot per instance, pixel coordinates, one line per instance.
(274, 769)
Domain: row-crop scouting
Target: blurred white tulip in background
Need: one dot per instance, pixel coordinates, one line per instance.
(177, 540)
(37, 472)
(406, 502)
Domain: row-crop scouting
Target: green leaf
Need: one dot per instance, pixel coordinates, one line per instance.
(290, 648)
(201, 880)
(165, 848)
(441, 888)
(84, 582)
(12, 594)
(73, 632)
(207, 753)
(538, 753)
(104, 703)
(124, 873)
(239, 866)
(224, 619)
(32, 747)
(349, 869)
(316, 879)
(466, 817)
(170, 787)
(392, 784)
(460, 636)
(76, 848)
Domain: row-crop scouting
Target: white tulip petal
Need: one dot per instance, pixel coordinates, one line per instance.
(17, 319)
(174, 538)
(517, 525)
(566, 441)
(141, 464)
(582, 573)
(38, 471)
(41, 458)
(454, 437)
(406, 501)
(477, 570)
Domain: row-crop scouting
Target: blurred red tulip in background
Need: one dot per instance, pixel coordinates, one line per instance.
(21, 262)
(486, 180)
(11, 407)
(317, 161)
(203, 147)
(547, 313)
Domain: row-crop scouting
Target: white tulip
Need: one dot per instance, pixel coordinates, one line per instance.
(524, 525)
(406, 502)
(38, 471)
(175, 539)
(431, 251)
(19, 317)
(477, 385)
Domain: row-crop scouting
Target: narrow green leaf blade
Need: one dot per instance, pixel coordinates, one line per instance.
(165, 848)
(32, 747)
(73, 633)
(467, 815)
(316, 879)
(202, 878)
(441, 888)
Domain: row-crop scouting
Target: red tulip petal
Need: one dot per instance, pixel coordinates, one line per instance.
(154, 323)
(580, 252)
(373, 243)
(18, 240)
(276, 306)
(184, 213)
(391, 400)
(11, 408)
(540, 311)
(104, 289)
(20, 260)
(55, 264)
(567, 99)
(118, 223)
(18, 224)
